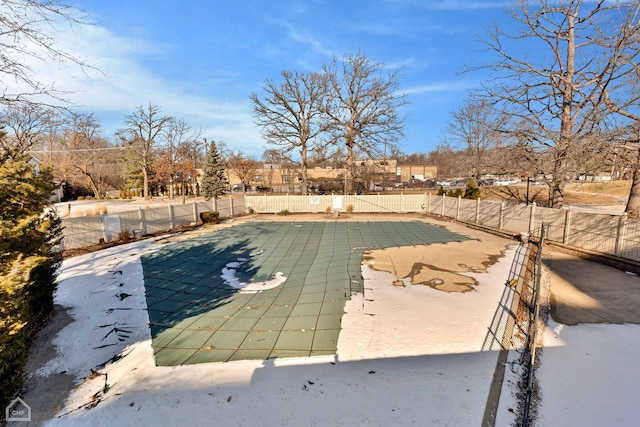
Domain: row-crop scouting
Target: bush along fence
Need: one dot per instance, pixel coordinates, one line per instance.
(615, 235)
(90, 230)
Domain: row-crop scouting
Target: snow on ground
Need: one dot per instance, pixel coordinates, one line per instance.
(230, 277)
(406, 356)
(589, 375)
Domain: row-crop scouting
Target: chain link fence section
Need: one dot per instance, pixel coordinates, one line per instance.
(90, 230)
(516, 321)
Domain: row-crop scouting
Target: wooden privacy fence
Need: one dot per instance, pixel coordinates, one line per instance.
(90, 230)
(615, 235)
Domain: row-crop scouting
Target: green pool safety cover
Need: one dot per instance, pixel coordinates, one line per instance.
(263, 289)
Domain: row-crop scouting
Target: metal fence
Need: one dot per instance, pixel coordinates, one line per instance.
(90, 230)
(517, 319)
(615, 235)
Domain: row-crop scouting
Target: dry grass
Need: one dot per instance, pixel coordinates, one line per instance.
(601, 193)
(614, 188)
(88, 211)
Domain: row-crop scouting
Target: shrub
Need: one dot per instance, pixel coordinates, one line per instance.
(124, 236)
(472, 191)
(328, 210)
(80, 197)
(283, 212)
(454, 193)
(96, 210)
(210, 217)
(349, 208)
(28, 265)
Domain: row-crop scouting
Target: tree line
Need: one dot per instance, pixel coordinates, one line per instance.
(562, 102)
(563, 97)
(348, 112)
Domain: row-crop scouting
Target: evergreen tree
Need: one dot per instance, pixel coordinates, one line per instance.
(28, 234)
(472, 191)
(214, 180)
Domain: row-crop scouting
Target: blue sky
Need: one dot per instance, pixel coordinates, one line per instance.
(200, 60)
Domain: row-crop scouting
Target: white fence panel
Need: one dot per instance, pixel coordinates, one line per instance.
(610, 234)
(234, 207)
(82, 231)
(595, 232)
(450, 206)
(434, 204)
(324, 203)
(516, 218)
(183, 214)
(629, 238)
(468, 209)
(130, 221)
(489, 214)
(556, 220)
(157, 219)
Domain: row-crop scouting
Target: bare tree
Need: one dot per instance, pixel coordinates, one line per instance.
(290, 114)
(27, 31)
(362, 107)
(275, 156)
(243, 166)
(27, 126)
(474, 127)
(177, 157)
(326, 155)
(88, 153)
(450, 162)
(547, 73)
(274, 161)
(620, 84)
(143, 128)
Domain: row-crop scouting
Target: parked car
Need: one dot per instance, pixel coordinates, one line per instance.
(240, 188)
(486, 181)
(430, 183)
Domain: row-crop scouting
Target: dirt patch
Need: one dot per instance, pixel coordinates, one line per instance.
(45, 395)
(577, 194)
(425, 265)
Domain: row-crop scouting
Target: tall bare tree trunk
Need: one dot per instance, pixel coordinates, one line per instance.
(305, 173)
(145, 184)
(348, 178)
(94, 187)
(566, 121)
(633, 204)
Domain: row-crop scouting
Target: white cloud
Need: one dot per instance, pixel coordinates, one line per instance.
(448, 86)
(116, 81)
(307, 39)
